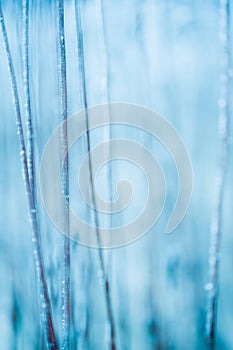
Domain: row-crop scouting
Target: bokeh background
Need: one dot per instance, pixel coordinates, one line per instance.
(164, 55)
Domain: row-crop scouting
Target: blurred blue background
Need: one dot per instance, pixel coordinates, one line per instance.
(164, 55)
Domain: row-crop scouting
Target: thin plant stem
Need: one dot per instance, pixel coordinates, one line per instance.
(27, 104)
(66, 313)
(51, 341)
(79, 29)
(216, 225)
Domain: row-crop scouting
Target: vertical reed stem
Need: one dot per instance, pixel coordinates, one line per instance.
(66, 314)
(51, 341)
(216, 226)
(79, 29)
